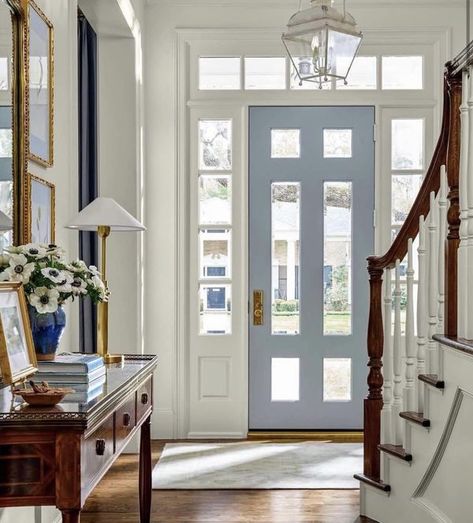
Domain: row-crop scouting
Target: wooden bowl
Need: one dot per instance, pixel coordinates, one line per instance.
(42, 399)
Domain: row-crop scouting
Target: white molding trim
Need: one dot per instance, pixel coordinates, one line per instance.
(380, 34)
(181, 362)
(216, 435)
(188, 39)
(286, 4)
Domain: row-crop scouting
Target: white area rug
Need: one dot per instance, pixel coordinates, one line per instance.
(258, 465)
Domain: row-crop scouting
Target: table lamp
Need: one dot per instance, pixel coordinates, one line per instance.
(105, 215)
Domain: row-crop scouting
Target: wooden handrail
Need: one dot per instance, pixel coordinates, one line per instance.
(447, 152)
(420, 207)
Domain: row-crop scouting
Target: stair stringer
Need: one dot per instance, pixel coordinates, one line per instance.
(406, 478)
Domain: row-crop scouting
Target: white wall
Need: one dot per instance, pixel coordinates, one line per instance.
(163, 17)
(120, 112)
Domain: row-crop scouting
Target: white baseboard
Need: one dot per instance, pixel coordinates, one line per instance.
(216, 435)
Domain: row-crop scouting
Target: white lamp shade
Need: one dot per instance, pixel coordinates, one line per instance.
(6, 223)
(105, 212)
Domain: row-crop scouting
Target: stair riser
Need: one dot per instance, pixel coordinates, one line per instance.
(422, 443)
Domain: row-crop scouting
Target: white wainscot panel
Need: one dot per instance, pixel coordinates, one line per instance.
(214, 377)
(445, 489)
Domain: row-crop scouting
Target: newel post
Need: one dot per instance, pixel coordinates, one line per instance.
(453, 216)
(373, 404)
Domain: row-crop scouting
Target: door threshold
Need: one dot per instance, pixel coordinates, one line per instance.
(338, 436)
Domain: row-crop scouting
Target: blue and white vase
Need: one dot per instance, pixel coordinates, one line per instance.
(47, 330)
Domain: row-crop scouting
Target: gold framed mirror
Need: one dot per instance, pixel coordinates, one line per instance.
(13, 112)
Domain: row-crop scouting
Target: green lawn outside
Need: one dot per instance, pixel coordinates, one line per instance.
(335, 323)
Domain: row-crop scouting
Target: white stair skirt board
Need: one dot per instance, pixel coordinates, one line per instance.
(258, 465)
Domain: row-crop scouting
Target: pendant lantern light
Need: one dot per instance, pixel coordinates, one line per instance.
(322, 42)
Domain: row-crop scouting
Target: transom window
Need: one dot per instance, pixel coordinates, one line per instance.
(223, 73)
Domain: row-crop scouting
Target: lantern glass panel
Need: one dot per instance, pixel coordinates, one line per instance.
(342, 50)
(322, 53)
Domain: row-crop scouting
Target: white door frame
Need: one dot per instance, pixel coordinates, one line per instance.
(190, 104)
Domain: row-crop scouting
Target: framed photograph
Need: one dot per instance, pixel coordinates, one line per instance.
(41, 210)
(40, 81)
(17, 354)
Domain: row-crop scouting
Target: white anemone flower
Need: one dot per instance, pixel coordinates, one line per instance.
(19, 269)
(53, 274)
(94, 271)
(44, 300)
(35, 250)
(77, 266)
(65, 285)
(79, 286)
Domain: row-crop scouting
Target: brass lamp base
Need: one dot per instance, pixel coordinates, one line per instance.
(102, 311)
(113, 358)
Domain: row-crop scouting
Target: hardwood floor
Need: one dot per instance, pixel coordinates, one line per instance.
(115, 500)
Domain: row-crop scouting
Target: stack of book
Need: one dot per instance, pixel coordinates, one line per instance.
(85, 373)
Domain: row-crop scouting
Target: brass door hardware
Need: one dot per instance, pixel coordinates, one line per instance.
(258, 307)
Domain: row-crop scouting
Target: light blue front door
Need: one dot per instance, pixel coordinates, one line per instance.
(311, 203)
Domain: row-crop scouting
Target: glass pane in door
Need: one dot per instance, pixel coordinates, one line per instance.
(285, 210)
(337, 257)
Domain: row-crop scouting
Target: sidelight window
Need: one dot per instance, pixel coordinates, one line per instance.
(215, 226)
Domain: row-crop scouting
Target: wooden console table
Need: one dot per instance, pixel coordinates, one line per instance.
(56, 456)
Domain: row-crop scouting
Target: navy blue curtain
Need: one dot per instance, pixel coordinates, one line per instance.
(88, 167)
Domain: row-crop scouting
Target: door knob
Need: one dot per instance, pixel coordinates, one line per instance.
(258, 307)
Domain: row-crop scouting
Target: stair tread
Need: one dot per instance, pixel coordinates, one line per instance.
(373, 482)
(396, 450)
(432, 379)
(416, 417)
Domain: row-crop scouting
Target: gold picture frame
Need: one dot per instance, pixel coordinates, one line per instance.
(19, 118)
(17, 353)
(41, 222)
(40, 149)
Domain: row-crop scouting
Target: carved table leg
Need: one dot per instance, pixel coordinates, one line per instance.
(70, 516)
(145, 471)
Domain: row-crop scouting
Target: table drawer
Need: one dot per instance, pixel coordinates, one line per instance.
(125, 421)
(97, 450)
(144, 399)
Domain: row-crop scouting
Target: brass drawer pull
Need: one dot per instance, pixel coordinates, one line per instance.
(100, 447)
(144, 398)
(126, 419)
(258, 307)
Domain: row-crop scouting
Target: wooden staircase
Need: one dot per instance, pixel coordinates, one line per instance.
(412, 416)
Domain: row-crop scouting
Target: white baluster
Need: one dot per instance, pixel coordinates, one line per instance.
(469, 241)
(466, 132)
(397, 358)
(442, 234)
(421, 310)
(431, 356)
(387, 422)
(410, 370)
